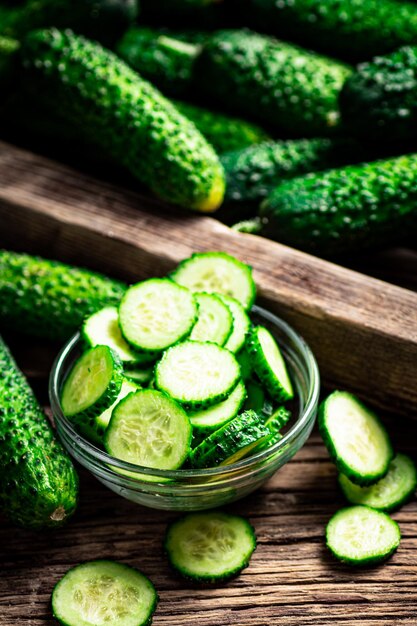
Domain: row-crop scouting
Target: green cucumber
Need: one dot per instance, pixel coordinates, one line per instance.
(102, 328)
(215, 320)
(230, 443)
(278, 419)
(38, 483)
(217, 272)
(197, 374)
(48, 298)
(210, 546)
(346, 209)
(359, 535)
(149, 429)
(156, 313)
(92, 385)
(208, 420)
(251, 226)
(390, 492)
(104, 592)
(124, 116)
(141, 376)
(355, 438)
(241, 324)
(256, 397)
(245, 362)
(271, 81)
(269, 364)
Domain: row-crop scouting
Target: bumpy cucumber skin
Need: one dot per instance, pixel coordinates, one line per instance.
(271, 81)
(125, 116)
(345, 210)
(223, 132)
(56, 612)
(278, 419)
(100, 19)
(239, 432)
(263, 370)
(50, 299)
(396, 504)
(189, 575)
(358, 479)
(354, 30)
(372, 560)
(253, 173)
(379, 100)
(161, 58)
(38, 483)
(88, 416)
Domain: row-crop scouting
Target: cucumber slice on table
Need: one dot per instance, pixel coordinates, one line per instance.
(230, 443)
(149, 429)
(210, 546)
(156, 313)
(92, 385)
(215, 320)
(269, 364)
(241, 324)
(390, 492)
(104, 592)
(197, 374)
(359, 535)
(217, 272)
(355, 438)
(208, 420)
(102, 328)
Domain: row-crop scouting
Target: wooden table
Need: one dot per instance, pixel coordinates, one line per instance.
(292, 580)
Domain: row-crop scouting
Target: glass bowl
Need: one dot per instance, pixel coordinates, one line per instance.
(193, 490)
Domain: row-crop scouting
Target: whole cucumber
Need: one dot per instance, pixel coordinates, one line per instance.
(38, 483)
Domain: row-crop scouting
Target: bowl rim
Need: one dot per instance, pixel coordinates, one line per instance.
(136, 471)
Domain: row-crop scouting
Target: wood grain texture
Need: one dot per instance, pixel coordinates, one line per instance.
(363, 331)
(292, 580)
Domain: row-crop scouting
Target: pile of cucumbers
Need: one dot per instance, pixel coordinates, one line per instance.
(177, 375)
(214, 105)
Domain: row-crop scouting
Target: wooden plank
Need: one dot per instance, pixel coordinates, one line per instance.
(363, 331)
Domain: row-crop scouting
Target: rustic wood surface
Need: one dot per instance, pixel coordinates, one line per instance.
(292, 580)
(363, 331)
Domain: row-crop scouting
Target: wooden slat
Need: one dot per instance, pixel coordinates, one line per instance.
(363, 331)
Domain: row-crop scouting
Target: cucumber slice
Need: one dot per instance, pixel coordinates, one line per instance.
(140, 376)
(278, 419)
(92, 385)
(359, 535)
(149, 429)
(215, 320)
(241, 324)
(197, 374)
(269, 364)
(390, 492)
(102, 328)
(355, 438)
(217, 272)
(104, 592)
(210, 546)
(245, 363)
(256, 397)
(206, 421)
(156, 313)
(230, 443)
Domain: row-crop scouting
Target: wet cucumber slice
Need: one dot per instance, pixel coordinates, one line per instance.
(102, 328)
(278, 419)
(217, 272)
(197, 374)
(156, 313)
(359, 535)
(214, 322)
(355, 438)
(230, 443)
(104, 592)
(210, 546)
(269, 364)
(93, 384)
(149, 429)
(241, 324)
(390, 492)
(206, 421)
